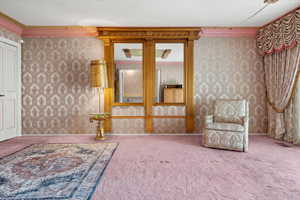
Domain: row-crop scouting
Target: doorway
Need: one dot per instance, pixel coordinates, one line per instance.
(10, 89)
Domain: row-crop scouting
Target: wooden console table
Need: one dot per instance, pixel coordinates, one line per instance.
(99, 117)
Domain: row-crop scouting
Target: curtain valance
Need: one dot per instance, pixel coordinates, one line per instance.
(281, 34)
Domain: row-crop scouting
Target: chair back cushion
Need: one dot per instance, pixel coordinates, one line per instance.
(230, 111)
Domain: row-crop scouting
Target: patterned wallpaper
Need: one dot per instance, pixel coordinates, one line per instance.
(168, 110)
(9, 35)
(229, 68)
(128, 111)
(137, 125)
(56, 92)
(128, 126)
(168, 125)
(57, 95)
(296, 113)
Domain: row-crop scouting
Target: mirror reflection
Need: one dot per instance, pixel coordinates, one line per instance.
(169, 64)
(128, 59)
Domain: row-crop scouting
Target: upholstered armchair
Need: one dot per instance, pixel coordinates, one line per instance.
(227, 128)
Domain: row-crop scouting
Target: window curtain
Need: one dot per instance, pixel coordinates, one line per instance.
(296, 104)
(281, 74)
(279, 44)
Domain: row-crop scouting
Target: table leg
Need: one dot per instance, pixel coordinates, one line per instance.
(100, 131)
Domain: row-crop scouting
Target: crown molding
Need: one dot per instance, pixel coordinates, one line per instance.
(11, 24)
(15, 26)
(229, 31)
(129, 32)
(60, 31)
(191, 33)
(148, 33)
(12, 20)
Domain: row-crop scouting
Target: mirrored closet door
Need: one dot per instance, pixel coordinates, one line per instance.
(150, 79)
(169, 73)
(128, 76)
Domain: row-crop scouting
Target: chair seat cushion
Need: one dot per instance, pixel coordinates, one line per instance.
(225, 127)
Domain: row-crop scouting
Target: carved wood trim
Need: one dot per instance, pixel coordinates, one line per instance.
(149, 36)
(190, 33)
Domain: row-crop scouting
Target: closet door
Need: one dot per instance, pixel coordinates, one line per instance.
(9, 92)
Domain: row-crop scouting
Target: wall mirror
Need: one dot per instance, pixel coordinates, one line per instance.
(169, 73)
(128, 77)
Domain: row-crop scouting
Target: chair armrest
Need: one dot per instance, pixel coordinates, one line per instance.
(209, 119)
(246, 121)
(246, 125)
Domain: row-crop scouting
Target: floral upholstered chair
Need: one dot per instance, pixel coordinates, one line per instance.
(227, 128)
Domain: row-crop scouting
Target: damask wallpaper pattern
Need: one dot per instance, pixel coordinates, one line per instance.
(128, 111)
(128, 125)
(168, 125)
(168, 110)
(295, 124)
(56, 93)
(229, 68)
(160, 125)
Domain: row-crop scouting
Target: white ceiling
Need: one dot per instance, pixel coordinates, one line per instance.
(144, 12)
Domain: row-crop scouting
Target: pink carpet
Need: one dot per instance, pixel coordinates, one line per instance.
(178, 168)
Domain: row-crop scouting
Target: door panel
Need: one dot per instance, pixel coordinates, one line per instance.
(1, 115)
(9, 91)
(9, 69)
(2, 48)
(9, 111)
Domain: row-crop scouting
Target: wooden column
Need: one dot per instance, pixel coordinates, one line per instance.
(108, 92)
(149, 65)
(189, 82)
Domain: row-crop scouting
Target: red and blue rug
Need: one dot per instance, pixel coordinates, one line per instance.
(54, 171)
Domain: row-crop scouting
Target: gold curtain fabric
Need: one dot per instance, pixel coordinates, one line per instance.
(281, 71)
(279, 43)
(292, 117)
(296, 114)
(279, 35)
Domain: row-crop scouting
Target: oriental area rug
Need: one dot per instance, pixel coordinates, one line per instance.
(54, 171)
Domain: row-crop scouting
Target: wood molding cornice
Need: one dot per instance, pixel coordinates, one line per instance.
(60, 31)
(229, 32)
(149, 36)
(149, 33)
(11, 24)
(16, 22)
